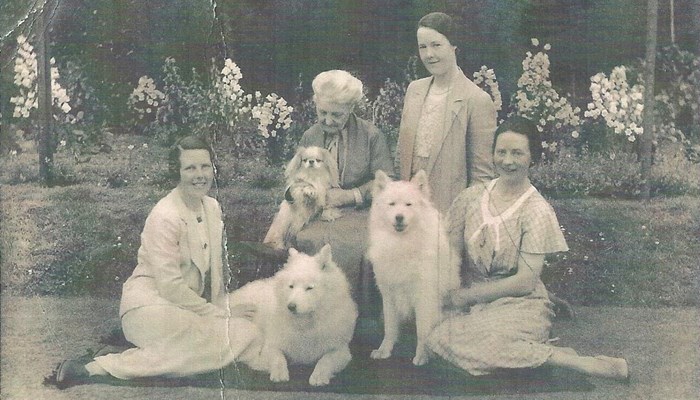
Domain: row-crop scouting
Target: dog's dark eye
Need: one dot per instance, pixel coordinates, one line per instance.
(409, 204)
(392, 203)
(309, 288)
(319, 161)
(291, 286)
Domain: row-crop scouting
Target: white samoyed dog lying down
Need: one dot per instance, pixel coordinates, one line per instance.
(306, 315)
(413, 264)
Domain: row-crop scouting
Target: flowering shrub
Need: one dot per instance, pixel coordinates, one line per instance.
(81, 129)
(145, 100)
(274, 112)
(25, 78)
(485, 78)
(74, 106)
(619, 99)
(219, 109)
(228, 93)
(537, 100)
(618, 103)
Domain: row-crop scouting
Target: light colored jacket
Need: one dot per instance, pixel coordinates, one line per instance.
(462, 154)
(170, 271)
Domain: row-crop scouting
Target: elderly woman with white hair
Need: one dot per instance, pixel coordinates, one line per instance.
(357, 144)
(360, 150)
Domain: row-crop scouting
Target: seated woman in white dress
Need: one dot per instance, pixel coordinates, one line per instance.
(173, 306)
(504, 229)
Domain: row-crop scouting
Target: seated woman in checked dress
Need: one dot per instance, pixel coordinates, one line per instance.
(504, 229)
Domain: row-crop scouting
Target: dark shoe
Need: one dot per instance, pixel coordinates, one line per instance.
(70, 373)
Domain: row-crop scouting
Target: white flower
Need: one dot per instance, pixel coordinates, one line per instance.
(535, 42)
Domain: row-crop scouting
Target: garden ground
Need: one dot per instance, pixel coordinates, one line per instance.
(662, 346)
(632, 272)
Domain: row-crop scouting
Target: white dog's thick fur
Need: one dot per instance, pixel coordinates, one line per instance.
(306, 315)
(410, 253)
(310, 174)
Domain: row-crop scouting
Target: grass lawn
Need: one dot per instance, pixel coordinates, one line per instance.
(82, 238)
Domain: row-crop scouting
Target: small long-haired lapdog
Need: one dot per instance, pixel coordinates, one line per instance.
(309, 175)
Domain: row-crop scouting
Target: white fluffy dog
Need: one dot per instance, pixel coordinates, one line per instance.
(410, 253)
(309, 175)
(306, 315)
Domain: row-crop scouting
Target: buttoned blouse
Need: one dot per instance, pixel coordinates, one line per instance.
(430, 128)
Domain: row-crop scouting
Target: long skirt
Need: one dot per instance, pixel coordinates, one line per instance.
(174, 342)
(510, 332)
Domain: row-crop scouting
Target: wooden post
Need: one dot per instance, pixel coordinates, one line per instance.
(43, 77)
(673, 23)
(648, 123)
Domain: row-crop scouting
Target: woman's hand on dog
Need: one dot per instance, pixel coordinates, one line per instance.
(245, 311)
(457, 298)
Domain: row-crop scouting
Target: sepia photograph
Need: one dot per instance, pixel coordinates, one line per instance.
(349, 199)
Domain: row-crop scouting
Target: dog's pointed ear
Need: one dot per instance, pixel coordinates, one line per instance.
(325, 256)
(332, 168)
(421, 180)
(294, 163)
(381, 179)
(293, 252)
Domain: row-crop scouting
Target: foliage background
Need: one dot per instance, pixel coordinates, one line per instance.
(54, 242)
(280, 42)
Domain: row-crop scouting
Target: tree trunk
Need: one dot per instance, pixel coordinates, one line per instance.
(673, 22)
(44, 98)
(650, 64)
(695, 12)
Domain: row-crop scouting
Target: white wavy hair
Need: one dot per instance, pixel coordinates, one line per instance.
(337, 86)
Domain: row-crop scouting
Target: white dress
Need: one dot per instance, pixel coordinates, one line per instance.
(169, 310)
(509, 332)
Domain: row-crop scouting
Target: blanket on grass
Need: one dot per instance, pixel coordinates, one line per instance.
(394, 376)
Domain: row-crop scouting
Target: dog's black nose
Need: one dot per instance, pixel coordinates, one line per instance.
(312, 162)
(399, 218)
(292, 307)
